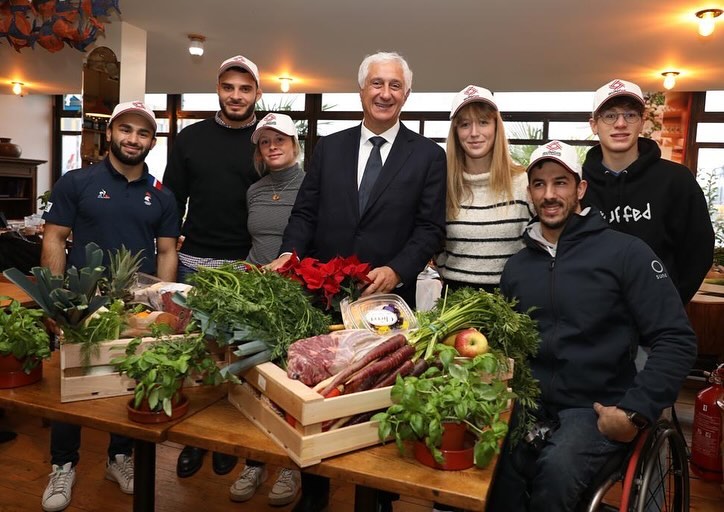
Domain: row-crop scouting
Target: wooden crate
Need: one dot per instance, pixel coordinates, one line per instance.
(306, 443)
(100, 379)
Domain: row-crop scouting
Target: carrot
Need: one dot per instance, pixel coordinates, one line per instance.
(420, 367)
(389, 346)
(367, 377)
(389, 379)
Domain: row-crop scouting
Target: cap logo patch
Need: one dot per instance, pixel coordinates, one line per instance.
(617, 85)
(138, 104)
(471, 92)
(554, 146)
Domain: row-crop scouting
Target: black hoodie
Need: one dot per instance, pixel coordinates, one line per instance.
(660, 202)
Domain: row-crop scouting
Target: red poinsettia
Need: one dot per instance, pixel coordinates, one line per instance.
(331, 281)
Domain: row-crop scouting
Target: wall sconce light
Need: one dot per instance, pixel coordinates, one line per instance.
(18, 88)
(669, 79)
(196, 45)
(285, 83)
(707, 19)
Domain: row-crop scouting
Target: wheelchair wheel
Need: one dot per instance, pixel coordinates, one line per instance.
(661, 477)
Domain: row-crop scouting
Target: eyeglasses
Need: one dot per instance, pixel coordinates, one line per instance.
(612, 117)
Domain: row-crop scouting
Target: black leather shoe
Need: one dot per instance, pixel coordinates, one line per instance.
(189, 461)
(223, 463)
(308, 503)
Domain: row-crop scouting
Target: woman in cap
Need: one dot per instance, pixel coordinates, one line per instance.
(269, 202)
(487, 198)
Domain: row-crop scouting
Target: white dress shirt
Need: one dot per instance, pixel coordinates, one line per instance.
(365, 147)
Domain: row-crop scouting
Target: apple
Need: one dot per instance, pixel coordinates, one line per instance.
(471, 342)
(450, 339)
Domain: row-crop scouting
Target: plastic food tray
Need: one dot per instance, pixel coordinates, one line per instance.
(382, 314)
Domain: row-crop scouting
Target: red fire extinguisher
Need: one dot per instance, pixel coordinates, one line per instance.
(706, 435)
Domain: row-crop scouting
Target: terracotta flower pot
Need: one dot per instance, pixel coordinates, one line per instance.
(453, 436)
(12, 374)
(455, 460)
(145, 415)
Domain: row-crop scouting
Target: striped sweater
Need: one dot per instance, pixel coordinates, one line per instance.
(487, 231)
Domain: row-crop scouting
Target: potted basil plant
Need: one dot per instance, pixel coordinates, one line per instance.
(24, 343)
(160, 370)
(455, 393)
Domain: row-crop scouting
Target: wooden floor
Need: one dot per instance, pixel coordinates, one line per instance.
(24, 468)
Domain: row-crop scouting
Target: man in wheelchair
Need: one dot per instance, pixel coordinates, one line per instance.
(596, 294)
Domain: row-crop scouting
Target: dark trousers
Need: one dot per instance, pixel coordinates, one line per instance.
(65, 443)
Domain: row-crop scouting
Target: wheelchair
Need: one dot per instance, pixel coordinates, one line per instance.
(654, 474)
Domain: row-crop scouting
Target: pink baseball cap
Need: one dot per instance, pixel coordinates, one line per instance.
(281, 123)
(472, 94)
(134, 107)
(560, 152)
(616, 87)
(239, 61)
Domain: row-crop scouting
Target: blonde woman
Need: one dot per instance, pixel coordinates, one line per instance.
(487, 204)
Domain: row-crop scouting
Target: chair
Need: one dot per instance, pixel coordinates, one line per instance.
(654, 474)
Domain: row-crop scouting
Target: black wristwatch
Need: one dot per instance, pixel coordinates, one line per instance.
(639, 420)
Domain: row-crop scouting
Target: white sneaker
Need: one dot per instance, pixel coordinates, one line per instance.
(58, 492)
(249, 480)
(286, 487)
(120, 470)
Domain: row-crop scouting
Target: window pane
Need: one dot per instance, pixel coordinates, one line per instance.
(73, 102)
(429, 102)
(569, 131)
(710, 176)
(155, 101)
(200, 101)
(272, 102)
(544, 101)
(714, 101)
(437, 129)
(329, 127)
(341, 101)
(521, 153)
(163, 124)
(412, 125)
(70, 157)
(70, 124)
(156, 159)
(183, 123)
(710, 132)
(524, 130)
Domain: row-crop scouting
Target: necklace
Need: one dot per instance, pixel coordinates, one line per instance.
(276, 196)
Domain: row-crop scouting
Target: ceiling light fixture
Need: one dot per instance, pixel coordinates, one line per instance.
(18, 88)
(285, 83)
(196, 45)
(669, 79)
(707, 19)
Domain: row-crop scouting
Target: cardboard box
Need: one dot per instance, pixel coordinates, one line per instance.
(100, 379)
(267, 390)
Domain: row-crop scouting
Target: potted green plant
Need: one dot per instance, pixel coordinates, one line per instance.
(159, 372)
(453, 392)
(24, 343)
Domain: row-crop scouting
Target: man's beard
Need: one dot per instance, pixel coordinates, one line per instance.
(231, 116)
(126, 159)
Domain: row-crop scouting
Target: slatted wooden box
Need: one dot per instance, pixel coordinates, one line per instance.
(306, 443)
(100, 379)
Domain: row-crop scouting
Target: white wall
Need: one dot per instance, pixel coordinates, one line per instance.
(28, 121)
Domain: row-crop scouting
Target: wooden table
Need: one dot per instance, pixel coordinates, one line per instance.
(706, 313)
(108, 414)
(10, 290)
(222, 428)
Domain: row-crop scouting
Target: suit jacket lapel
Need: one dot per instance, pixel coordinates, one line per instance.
(399, 153)
(349, 159)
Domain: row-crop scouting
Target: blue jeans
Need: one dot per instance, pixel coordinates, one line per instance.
(183, 272)
(556, 478)
(65, 443)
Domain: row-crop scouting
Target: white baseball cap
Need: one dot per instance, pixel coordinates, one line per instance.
(471, 94)
(616, 87)
(134, 107)
(560, 152)
(239, 61)
(281, 123)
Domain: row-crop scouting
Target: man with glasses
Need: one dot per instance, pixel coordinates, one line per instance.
(641, 194)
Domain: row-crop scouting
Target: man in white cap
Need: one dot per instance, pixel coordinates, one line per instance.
(641, 194)
(209, 171)
(113, 203)
(595, 294)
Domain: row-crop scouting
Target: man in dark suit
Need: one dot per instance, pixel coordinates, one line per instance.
(393, 217)
(377, 191)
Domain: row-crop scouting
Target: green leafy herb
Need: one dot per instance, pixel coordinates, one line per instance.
(23, 335)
